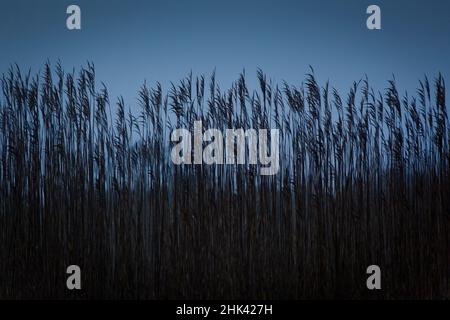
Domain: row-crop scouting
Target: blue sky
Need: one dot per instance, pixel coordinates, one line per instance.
(130, 41)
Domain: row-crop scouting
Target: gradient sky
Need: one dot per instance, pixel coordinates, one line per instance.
(163, 40)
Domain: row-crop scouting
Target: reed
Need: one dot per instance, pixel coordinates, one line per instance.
(363, 179)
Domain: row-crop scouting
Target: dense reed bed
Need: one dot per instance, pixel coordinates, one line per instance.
(364, 179)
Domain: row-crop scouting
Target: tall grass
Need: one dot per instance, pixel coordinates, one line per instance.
(364, 179)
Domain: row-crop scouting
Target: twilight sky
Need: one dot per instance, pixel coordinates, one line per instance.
(162, 40)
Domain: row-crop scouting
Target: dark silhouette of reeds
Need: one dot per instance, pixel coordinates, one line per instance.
(364, 179)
